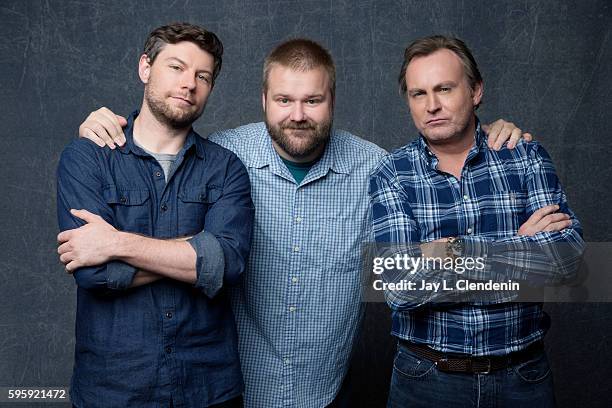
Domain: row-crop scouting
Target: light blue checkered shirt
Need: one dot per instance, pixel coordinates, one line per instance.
(298, 306)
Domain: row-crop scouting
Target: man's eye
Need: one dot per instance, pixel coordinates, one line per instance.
(283, 101)
(445, 89)
(204, 78)
(415, 94)
(312, 101)
(175, 67)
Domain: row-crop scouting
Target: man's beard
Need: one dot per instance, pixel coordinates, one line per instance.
(314, 136)
(173, 117)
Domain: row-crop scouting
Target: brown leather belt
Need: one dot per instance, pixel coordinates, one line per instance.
(462, 363)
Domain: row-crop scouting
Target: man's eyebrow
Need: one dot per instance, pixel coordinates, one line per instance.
(436, 86)
(180, 61)
(445, 84)
(316, 95)
(177, 59)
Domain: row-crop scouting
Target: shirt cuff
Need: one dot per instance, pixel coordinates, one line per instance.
(210, 263)
(119, 275)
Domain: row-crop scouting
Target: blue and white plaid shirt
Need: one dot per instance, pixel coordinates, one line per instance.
(413, 202)
(298, 306)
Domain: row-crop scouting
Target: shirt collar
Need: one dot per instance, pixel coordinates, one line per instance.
(191, 142)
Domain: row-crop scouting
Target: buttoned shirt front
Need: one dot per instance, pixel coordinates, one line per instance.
(168, 340)
(298, 305)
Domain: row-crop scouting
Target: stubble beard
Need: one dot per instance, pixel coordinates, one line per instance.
(318, 136)
(173, 117)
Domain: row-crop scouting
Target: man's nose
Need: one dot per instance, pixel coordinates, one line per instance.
(297, 112)
(433, 103)
(188, 80)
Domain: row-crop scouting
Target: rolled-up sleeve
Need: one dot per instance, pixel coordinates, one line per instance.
(222, 248)
(210, 263)
(79, 186)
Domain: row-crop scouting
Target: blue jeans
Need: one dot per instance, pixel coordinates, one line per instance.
(416, 382)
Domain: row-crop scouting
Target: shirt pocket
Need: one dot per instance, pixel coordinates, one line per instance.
(131, 209)
(193, 205)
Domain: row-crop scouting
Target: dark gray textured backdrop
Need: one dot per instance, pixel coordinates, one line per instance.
(544, 64)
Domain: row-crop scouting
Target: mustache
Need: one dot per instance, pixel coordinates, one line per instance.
(298, 125)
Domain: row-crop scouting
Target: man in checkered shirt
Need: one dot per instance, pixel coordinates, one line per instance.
(447, 194)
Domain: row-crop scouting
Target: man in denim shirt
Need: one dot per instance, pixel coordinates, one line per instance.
(165, 223)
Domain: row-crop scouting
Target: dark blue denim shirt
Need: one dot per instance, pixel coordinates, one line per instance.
(143, 346)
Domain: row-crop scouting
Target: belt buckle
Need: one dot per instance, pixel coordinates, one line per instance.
(488, 360)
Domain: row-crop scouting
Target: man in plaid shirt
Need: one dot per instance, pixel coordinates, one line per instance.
(447, 193)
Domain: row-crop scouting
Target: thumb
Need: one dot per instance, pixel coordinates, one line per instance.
(85, 215)
(122, 121)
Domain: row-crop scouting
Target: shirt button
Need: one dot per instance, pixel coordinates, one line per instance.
(158, 174)
(465, 197)
(168, 349)
(298, 219)
(292, 309)
(164, 207)
(296, 249)
(287, 361)
(123, 200)
(469, 230)
(169, 315)
(294, 279)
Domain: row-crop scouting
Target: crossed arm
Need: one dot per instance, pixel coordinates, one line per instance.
(98, 242)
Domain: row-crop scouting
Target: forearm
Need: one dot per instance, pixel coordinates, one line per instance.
(173, 259)
(142, 278)
(548, 258)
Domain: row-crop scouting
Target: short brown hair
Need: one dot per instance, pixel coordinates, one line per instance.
(301, 54)
(428, 45)
(178, 32)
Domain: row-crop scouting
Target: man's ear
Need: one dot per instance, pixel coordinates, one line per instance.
(144, 68)
(263, 100)
(477, 93)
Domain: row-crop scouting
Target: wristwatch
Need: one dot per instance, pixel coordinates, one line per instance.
(454, 247)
